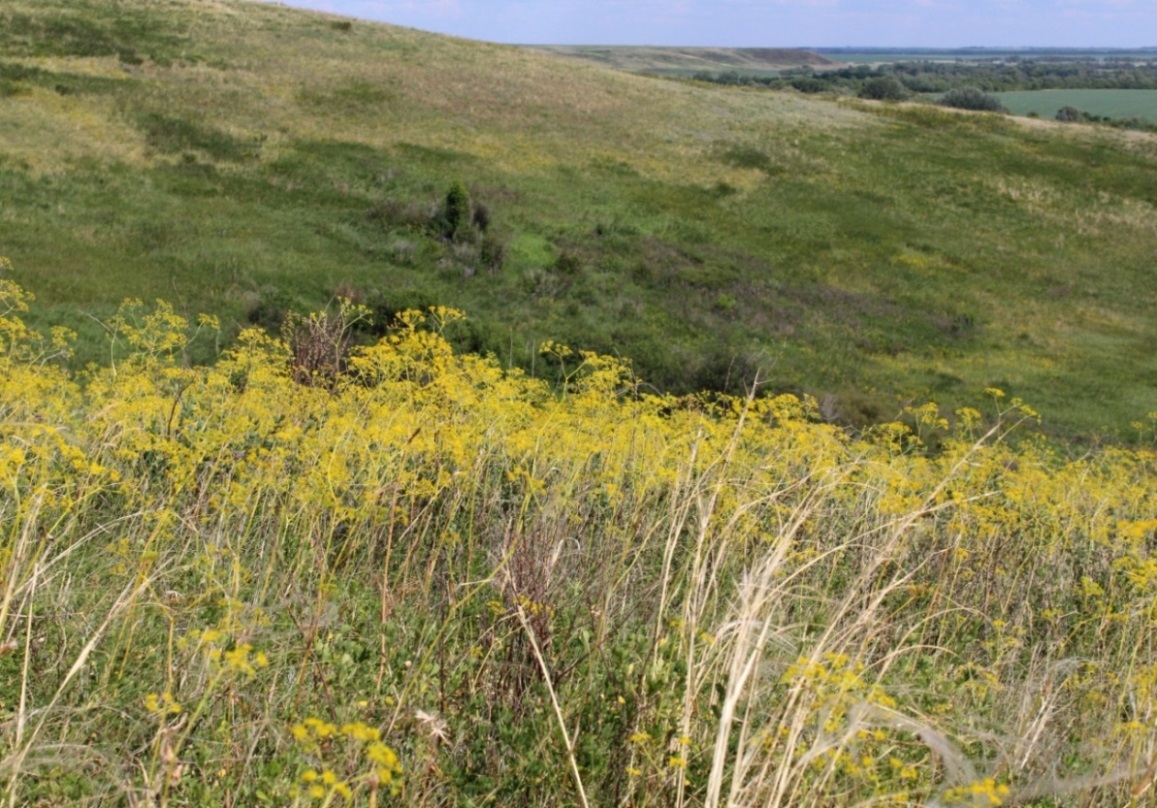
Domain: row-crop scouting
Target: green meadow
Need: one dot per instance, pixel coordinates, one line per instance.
(1110, 103)
(247, 160)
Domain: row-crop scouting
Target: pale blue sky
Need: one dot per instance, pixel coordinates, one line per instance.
(816, 23)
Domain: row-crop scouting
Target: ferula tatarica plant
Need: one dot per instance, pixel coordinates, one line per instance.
(433, 580)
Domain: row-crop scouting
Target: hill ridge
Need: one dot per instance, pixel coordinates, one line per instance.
(249, 159)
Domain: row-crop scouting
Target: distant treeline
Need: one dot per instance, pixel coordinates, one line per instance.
(939, 77)
(963, 83)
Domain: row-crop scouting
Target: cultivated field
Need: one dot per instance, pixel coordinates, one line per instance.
(889, 55)
(1112, 103)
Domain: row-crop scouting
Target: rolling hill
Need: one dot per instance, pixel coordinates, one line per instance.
(244, 159)
(458, 563)
(688, 61)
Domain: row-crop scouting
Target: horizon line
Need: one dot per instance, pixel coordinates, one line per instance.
(861, 48)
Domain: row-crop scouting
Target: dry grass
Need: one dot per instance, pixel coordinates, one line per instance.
(47, 132)
(432, 579)
(379, 85)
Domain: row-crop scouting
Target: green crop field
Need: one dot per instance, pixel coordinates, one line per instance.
(890, 55)
(1111, 103)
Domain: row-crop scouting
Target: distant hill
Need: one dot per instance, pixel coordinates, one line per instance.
(690, 60)
(245, 159)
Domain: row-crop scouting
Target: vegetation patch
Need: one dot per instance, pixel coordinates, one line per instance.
(171, 135)
(1114, 104)
(348, 570)
(748, 157)
(354, 98)
(88, 29)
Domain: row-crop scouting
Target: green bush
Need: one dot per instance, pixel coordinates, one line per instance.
(973, 99)
(492, 252)
(456, 211)
(883, 88)
(809, 84)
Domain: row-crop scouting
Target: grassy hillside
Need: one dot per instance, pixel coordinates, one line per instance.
(356, 563)
(242, 159)
(688, 61)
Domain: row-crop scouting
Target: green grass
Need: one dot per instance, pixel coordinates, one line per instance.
(1111, 103)
(256, 158)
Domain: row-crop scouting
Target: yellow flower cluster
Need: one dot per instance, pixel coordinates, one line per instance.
(321, 784)
(985, 793)
(966, 574)
(377, 765)
(240, 659)
(162, 704)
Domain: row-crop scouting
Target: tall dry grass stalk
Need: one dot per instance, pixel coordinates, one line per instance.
(431, 579)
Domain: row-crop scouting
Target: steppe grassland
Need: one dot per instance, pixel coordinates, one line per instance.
(438, 581)
(435, 580)
(504, 104)
(405, 86)
(77, 128)
(852, 247)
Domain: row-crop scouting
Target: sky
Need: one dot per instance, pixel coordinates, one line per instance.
(773, 23)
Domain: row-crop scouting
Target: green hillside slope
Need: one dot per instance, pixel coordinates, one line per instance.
(242, 159)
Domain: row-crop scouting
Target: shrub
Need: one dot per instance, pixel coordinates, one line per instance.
(481, 218)
(568, 263)
(1069, 114)
(724, 370)
(386, 307)
(809, 84)
(267, 310)
(492, 252)
(883, 88)
(455, 218)
(318, 345)
(973, 99)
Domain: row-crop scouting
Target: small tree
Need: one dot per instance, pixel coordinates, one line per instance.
(1068, 114)
(809, 84)
(972, 98)
(455, 211)
(883, 88)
